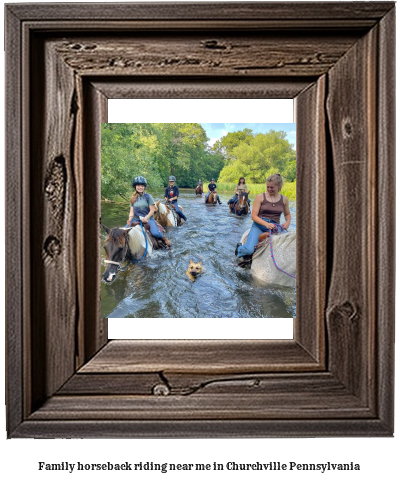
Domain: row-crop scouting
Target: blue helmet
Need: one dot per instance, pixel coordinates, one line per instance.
(139, 180)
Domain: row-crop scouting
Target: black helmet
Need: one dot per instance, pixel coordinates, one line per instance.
(139, 180)
(172, 178)
(213, 179)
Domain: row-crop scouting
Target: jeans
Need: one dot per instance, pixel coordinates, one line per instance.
(178, 211)
(253, 237)
(153, 227)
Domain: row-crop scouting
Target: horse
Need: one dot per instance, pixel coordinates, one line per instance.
(241, 206)
(284, 251)
(212, 198)
(125, 244)
(166, 215)
(199, 190)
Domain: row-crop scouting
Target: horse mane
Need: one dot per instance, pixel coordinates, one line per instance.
(118, 237)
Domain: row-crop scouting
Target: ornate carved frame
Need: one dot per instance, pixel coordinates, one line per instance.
(64, 378)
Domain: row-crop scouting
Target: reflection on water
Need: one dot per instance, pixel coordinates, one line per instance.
(158, 287)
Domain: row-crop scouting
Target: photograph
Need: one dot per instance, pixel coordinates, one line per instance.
(198, 220)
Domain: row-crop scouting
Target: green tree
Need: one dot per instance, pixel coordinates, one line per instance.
(263, 155)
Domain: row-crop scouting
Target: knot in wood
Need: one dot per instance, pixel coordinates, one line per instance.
(52, 246)
(161, 390)
(347, 128)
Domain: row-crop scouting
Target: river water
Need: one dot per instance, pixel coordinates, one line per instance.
(158, 287)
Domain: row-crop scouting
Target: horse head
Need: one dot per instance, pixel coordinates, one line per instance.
(243, 200)
(116, 248)
(213, 197)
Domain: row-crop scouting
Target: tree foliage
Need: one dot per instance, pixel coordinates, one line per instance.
(258, 157)
(158, 150)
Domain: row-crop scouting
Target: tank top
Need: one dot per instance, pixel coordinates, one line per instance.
(242, 187)
(267, 210)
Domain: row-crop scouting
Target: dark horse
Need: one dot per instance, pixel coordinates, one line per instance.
(212, 198)
(117, 250)
(241, 206)
(199, 190)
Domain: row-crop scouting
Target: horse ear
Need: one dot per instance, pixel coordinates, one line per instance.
(127, 230)
(191, 262)
(248, 192)
(105, 228)
(200, 263)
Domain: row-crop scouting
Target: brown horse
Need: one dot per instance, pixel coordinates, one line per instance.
(241, 206)
(212, 198)
(199, 190)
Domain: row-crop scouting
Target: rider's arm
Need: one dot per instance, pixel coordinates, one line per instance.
(255, 212)
(287, 214)
(236, 190)
(150, 213)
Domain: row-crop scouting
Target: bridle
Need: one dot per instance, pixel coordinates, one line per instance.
(119, 264)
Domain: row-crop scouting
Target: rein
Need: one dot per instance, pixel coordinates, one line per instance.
(146, 244)
(272, 254)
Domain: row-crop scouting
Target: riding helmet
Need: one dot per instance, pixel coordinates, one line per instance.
(139, 180)
(172, 178)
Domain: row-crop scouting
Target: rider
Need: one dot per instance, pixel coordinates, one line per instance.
(266, 213)
(171, 194)
(199, 184)
(142, 206)
(240, 188)
(212, 187)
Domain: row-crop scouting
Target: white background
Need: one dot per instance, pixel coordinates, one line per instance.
(19, 458)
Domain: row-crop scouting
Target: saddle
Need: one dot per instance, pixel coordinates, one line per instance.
(156, 243)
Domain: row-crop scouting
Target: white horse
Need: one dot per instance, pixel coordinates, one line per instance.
(284, 250)
(165, 216)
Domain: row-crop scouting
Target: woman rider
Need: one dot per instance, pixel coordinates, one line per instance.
(143, 205)
(266, 213)
(240, 188)
(212, 187)
(171, 194)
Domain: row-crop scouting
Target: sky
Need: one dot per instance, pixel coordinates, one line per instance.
(215, 131)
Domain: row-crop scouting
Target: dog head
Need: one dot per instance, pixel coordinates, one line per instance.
(194, 268)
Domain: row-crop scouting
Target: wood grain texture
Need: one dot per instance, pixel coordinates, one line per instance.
(250, 428)
(352, 125)
(319, 384)
(385, 261)
(53, 213)
(360, 12)
(312, 239)
(260, 54)
(15, 257)
(175, 87)
(200, 356)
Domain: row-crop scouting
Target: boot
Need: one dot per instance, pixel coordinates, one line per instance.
(167, 241)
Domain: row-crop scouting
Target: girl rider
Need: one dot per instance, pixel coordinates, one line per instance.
(266, 214)
(171, 194)
(211, 187)
(240, 188)
(143, 205)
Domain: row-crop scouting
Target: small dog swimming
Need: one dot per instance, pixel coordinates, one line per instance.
(194, 269)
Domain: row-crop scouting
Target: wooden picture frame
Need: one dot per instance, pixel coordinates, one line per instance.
(64, 378)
